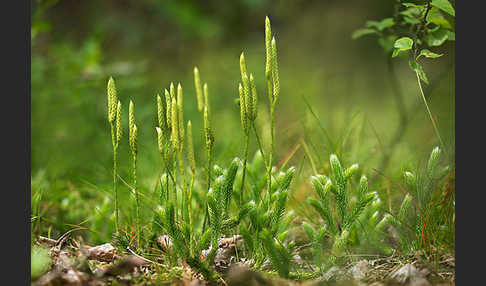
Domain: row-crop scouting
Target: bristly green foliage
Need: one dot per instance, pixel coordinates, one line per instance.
(229, 179)
(189, 242)
(266, 222)
(342, 218)
(280, 255)
(430, 222)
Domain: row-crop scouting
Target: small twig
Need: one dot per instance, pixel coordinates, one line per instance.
(141, 257)
(51, 242)
(428, 111)
(222, 280)
(63, 237)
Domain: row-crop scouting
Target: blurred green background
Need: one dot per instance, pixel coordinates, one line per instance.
(146, 44)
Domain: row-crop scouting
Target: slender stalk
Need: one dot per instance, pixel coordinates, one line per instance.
(164, 157)
(206, 214)
(247, 141)
(209, 167)
(192, 165)
(133, 143)
(184, 201)
(270, 156)
(175, 186)
(137, 198)
(209, 140)
(115, 189)
(191, 225)
(167, 183)
(260, 146)
(428, 111)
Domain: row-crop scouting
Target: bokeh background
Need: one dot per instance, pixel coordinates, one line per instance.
(146, 44)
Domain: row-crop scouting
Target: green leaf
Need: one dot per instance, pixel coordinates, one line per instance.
(444, 5)
(411, 20)
(416, 67)
(395, 53)
(381, 25)
(428, 54)
(436, 17)
(403, 44)
(437, 38)
(413, 12)
(361, 32)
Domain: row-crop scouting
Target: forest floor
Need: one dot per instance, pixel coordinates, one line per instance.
(74, 263)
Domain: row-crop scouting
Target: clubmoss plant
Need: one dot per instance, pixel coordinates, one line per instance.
(164, 132)
(429, 224)
(341, 219)
(180, 148)
(266, 220)
(371, 230)
(248, 110)
(265, 230)
(133, 143)
(202, 97)
(114, 119)
(192, 245)
(273, 85)
(192, 165)
(208, 133)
